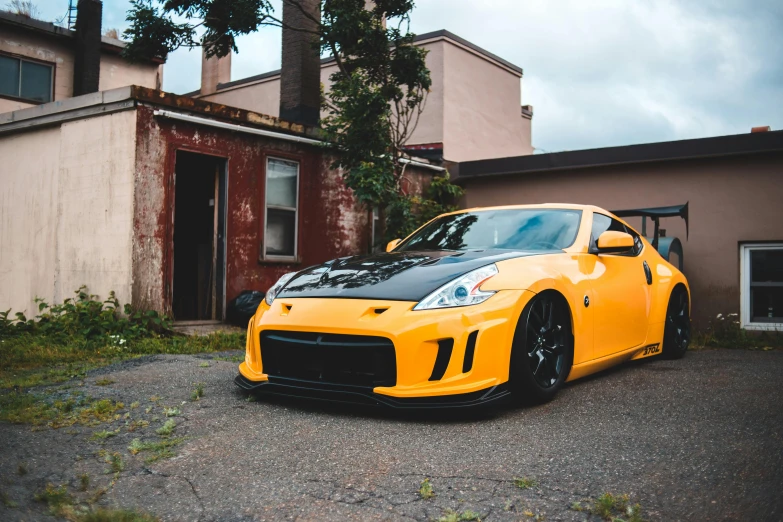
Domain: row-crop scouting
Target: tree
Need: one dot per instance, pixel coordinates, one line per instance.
(376, 97)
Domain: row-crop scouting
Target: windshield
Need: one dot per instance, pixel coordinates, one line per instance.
(512, 229)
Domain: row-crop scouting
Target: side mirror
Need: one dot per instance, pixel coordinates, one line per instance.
(393, 243)
(613, 242)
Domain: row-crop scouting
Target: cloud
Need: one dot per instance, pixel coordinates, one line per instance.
(598, 73)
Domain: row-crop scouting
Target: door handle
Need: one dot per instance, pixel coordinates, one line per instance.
(647, 273)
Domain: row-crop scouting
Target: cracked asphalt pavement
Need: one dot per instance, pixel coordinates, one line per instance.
(694, 439)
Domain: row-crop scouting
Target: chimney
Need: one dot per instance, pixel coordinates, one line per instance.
(214, 70)
(87, 52)
(765, 128)
(300, 73)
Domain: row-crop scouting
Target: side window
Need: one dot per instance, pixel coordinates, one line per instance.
(30, 81)
(602, 223)
(282, 186)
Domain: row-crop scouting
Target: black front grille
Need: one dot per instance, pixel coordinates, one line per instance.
(354, 360)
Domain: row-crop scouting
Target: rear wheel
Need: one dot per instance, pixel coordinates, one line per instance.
(543, 348)
(677, 330)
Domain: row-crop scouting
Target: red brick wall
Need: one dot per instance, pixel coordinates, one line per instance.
(330, 223)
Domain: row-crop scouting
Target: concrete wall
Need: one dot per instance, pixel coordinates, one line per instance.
(482, 116)
(58, 51)
(732, 200)
(66, 211)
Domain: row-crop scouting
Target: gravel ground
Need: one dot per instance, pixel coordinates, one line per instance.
(695, 439)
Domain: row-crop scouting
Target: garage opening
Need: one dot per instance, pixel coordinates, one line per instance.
(199, 237)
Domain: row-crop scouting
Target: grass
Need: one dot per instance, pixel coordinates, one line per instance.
(6, 500)
(104, 434)
(724, 331)
(84, 482)
(104, 382)
(171, 412)
(524, 482)
(115, 462)
(616, 508)
(454, 516)
(56, 498)
(29, 359)
(116, 515)
(39, 410)
(204, 365)
(159, 449)
(167, 429)
(198, 392)
(425, 491)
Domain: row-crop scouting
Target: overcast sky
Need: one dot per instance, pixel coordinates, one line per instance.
(598, 73)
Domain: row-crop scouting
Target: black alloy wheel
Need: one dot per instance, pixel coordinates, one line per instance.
(677, 330)
(543, 347)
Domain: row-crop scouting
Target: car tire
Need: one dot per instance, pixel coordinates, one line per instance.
(543, 349)
(677, 329)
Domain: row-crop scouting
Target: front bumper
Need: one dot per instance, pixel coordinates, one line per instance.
(474, 371)
(352, 395)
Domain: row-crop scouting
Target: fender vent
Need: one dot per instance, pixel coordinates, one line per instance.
(470, 349)
(445, 346)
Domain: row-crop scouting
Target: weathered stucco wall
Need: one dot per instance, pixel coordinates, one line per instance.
(66, 211)
(330, 223)
(731, 200)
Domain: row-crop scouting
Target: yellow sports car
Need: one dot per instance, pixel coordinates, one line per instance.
(475, 306)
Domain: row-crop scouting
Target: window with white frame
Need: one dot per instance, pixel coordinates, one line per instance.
(282, 189)
(25, 79)
(761, 266)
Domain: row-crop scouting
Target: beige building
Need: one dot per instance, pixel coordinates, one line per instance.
(37, 62)
(733, 250)
(472, 112)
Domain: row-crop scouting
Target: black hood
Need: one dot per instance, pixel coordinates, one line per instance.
(396, 276)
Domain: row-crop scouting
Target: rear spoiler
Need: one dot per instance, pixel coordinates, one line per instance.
(656, 214)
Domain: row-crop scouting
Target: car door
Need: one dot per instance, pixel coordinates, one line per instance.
(621, 293)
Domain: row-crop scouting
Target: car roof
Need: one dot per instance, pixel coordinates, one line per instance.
(557, 206)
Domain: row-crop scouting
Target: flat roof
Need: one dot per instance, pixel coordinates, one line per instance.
(125, 98)
(49, 29)
(737, 144)
(434, 35)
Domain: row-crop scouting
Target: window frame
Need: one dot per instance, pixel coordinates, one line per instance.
(745, 281)
(264, 255)
(635, 251)
(21, 58)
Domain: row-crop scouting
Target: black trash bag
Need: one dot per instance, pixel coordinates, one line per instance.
(242, 307)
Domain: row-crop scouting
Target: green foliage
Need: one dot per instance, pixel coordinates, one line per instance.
(376, 96)
(55, 497)
(159, 449)
(616, 508)
(116, 515)
(725, 332)
(425, 491)
(167, 429)
(524, 483)
(87, 317)
(454, 516)
(198, 391)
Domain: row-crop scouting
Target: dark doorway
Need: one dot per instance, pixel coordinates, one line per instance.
(199, 237)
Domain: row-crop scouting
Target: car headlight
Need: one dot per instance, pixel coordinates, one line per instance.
(272, 292)
(463, 291)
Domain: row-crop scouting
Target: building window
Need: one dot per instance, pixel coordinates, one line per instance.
(282, 189)
(24, 79)
(761, 269)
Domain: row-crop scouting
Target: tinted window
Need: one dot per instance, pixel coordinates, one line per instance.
(511, 229)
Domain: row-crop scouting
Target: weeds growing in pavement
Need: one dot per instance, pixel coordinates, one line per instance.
(725, 331)
(616, 508)
(57, 498)
(116, 515)
(454, 516)
(167, 429)
(159, 450)
(6, 500)
(84, 482)
(198, 392)
(115, 462)
(425, 491)
(524, 482)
